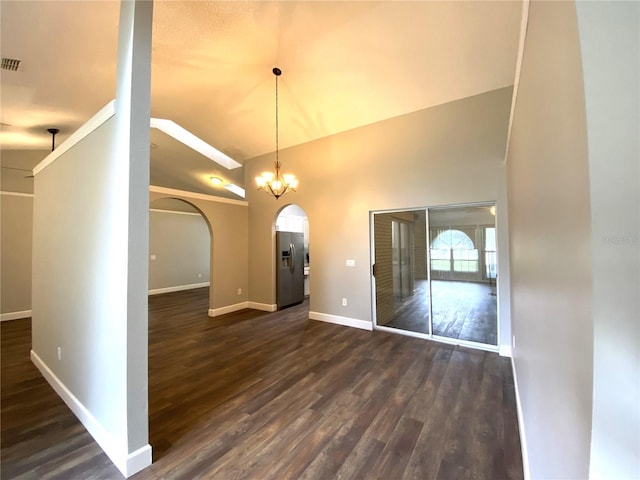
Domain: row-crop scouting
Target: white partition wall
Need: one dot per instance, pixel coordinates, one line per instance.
(610, 50)
(90, 245)
(549, 238)
(574, 224)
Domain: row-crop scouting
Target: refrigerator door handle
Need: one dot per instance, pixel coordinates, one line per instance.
(292, 249)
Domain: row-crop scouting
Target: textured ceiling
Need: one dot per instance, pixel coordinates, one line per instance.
(345, 64)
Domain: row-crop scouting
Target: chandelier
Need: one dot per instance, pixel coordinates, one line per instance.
(276, 183)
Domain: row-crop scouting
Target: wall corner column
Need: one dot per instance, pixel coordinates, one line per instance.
(132, 110)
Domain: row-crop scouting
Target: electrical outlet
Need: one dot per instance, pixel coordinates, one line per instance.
(199, 275)
(351, 263)
(239, 291)
(513, 341)
(59, 353)
(344, 302)
(152, 257)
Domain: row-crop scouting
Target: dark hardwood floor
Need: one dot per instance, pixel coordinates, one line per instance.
(462, 310)
(277, 396)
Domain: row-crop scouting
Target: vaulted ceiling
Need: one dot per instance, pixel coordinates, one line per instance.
(345, 64)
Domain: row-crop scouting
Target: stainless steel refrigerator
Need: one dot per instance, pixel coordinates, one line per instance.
(289, 268)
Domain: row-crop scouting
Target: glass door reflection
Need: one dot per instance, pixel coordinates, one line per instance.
(462, 250)
(400, 270)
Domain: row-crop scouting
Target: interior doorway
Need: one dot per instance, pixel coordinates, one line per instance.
(434, 273)
(179, 248)
(291, 227)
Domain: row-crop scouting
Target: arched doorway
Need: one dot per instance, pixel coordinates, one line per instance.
(179, 248)
(180, 272)
(291, 227)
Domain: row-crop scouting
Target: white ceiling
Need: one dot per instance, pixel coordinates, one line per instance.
(345, 64)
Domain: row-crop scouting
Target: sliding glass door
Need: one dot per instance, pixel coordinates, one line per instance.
(400, 270)
(435, 272)
(463, 273)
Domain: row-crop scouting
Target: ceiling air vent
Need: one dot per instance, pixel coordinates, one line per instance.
(10, 64)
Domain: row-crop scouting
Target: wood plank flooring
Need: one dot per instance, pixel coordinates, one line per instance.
(463, 310)
(254, 395)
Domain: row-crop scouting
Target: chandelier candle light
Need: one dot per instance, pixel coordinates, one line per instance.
(275, 183)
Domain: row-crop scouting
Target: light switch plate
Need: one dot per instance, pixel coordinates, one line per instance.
(351, 262)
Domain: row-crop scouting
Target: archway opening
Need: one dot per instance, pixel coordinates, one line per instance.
(179, 249)
(180, 269)
(292, 272)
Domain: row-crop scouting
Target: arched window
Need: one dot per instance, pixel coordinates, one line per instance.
(453, 250)
(452, 239)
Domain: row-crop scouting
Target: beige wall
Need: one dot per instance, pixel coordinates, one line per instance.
(15, 257)
(16, 219)
(229, 245)
(179, 249)
(550, 242)
(449, 154)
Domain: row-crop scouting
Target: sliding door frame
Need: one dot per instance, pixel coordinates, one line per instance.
(430, 335)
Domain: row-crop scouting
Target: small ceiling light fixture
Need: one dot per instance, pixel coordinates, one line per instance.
(275, 183)
(219, 182)
(53, 132)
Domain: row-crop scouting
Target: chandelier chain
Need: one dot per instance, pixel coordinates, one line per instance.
(277, 159)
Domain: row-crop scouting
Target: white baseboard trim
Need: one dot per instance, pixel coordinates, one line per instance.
(138, 460)
(265, 307)
(346, 321)
(216, 312)
(14, 315)
(128, 464)
(523, 437)
(505, 351)
(177, 288)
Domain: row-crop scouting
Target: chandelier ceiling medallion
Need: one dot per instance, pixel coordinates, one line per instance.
(276, 183)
